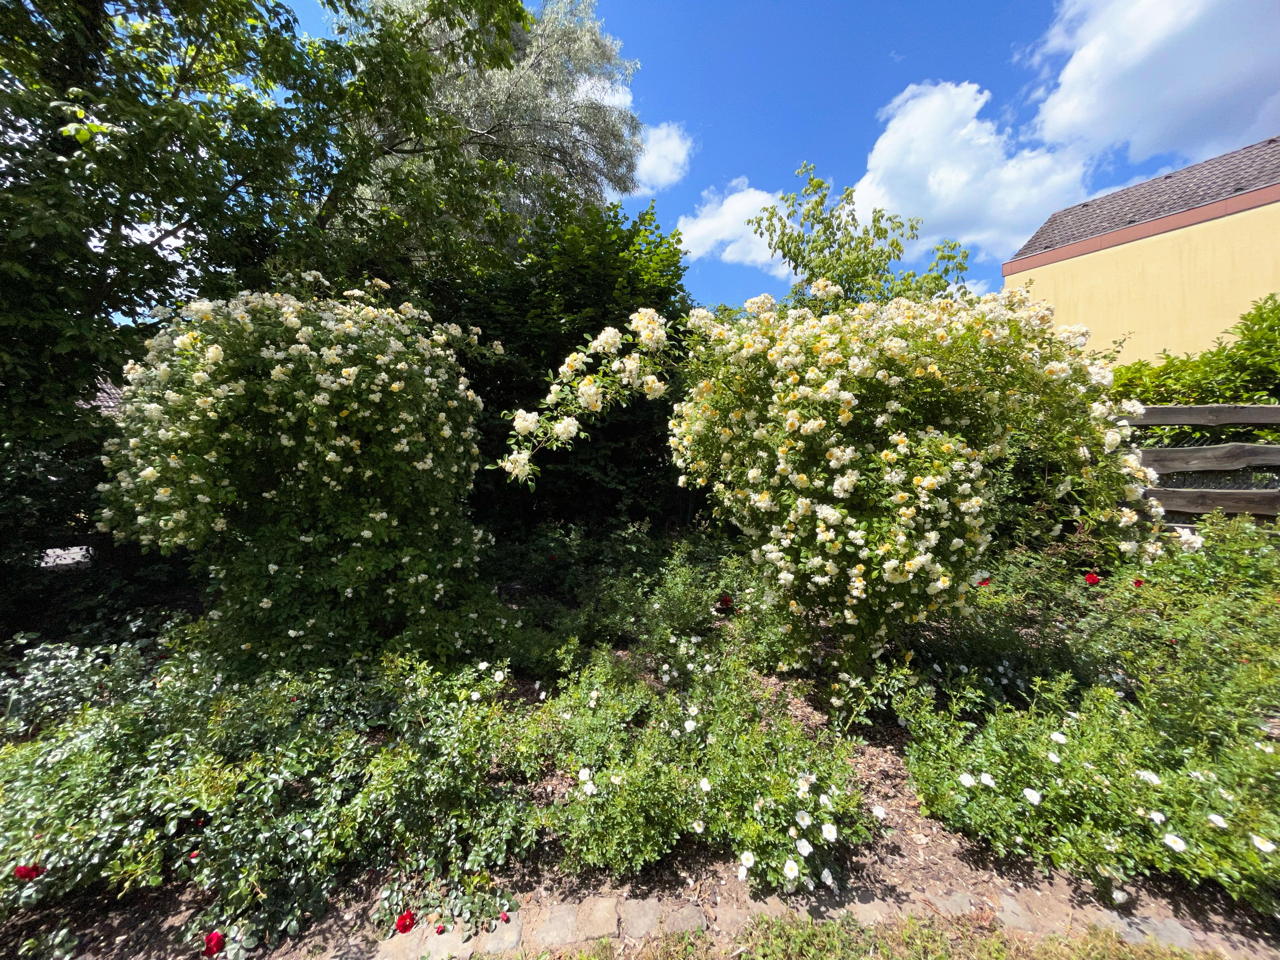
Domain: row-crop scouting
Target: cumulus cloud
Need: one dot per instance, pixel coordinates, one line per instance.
(664, 157)
(940, 160)
(718, 227)
(1142, 77)
(1191, 77)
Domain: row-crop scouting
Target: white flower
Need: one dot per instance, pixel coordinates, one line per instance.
(803, 819)
(1054, 758)
(1190, 542)
(705, 785)
(499, 676)
(265, 603)
(1262, 843)
(760, 304)
(1033, 796)
(565, 429)
(966, 780)
(1148, 776)
(827, 878)
(804, 847)
(213, 354)
(517, 464)
(1157, 817)
(1175, 842)
(1217, 821)
(829, 832)
(748, 859)
(698, 826)
(879, 812)
(791, 870)
(986, 780)
(607, 340)
(742, 873)
(1058, 737)
(584, 774)
(525, 422)
(690, 725)
(589, 788)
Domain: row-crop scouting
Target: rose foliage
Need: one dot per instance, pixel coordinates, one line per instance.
(314, 453)
(874, 452)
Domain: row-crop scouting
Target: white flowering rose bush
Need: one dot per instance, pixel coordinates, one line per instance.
(314, 453)
(871, 450)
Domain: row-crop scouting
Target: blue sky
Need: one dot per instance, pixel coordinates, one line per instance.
(981, 118)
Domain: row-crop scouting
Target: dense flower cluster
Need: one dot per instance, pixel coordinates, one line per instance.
(315, 453)
(871, 451)
(609, 369)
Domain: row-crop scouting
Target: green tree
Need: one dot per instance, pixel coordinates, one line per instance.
(157, 148)
(817, 238)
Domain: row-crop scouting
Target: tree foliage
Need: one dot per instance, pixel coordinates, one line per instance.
(819, 239)
(158, 148)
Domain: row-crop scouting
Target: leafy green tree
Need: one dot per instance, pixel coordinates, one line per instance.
(820, 239)
(157, 148)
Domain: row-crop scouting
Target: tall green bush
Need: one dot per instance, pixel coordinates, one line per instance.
(314, 454)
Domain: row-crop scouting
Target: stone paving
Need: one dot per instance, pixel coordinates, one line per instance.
(554, 926)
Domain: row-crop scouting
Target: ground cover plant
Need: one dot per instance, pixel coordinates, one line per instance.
(1118, 727)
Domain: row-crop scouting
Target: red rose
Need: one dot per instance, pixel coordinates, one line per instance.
(983, 583)
(213, 943)
(28, 872)
(440, 929)
(193, 856)
(1138, 583)
(504, 917)
(1092, 579)
(404, 922)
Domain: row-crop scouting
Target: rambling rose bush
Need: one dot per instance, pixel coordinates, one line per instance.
(869, 449)
(314, 453)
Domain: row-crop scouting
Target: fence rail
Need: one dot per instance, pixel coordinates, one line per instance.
(1210, 415)
(1225, 456)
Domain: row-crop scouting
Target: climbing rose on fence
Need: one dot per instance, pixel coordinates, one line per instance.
(316, 454)
(870, 450)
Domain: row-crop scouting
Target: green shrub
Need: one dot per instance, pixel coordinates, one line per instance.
(315, 454)
(869, 453)
(1243, 367)
(681, 741)
(268, 792)
(1119, 723)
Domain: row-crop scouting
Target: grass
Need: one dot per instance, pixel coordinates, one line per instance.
(799, 938)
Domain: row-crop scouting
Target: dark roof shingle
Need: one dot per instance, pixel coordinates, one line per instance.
(1215, 179)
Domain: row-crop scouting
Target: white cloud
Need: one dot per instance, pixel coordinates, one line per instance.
(1194, 78)
(1191, 77)
(664, 158)
(940, 160)
(719, 227)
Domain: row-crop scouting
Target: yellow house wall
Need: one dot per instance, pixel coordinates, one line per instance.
(1176, 291)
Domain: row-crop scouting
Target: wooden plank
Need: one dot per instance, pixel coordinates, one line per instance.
(1223, 456)
(1212, 415)
(1262, 502)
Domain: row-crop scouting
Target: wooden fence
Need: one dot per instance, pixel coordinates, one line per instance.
(1225, 456)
